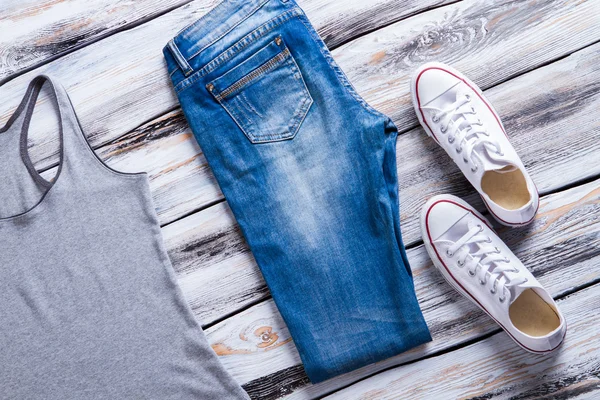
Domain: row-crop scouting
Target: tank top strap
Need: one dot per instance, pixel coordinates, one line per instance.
(15, 156)
(78, 160)
(76, 152)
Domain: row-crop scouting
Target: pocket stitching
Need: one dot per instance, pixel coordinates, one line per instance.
(282, 58)
(255, 74)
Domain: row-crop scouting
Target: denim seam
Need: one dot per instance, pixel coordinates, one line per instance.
(249, 104)
(307, 101)
(249, 39)
(251, 13)
(298, 117)
(342, 78)
(238, 47)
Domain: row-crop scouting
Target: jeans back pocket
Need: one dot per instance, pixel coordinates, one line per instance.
(265, 95)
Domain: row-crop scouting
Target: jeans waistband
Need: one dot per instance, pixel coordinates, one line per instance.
(197, 37)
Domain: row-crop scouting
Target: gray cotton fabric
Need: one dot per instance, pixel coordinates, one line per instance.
(89, 304)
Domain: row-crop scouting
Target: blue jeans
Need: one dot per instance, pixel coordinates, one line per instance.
(309, 171)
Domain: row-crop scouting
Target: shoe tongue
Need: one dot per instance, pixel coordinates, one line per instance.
(491, 164)
(459, 229)
(448, 97)
(516, 291)
(456, 230)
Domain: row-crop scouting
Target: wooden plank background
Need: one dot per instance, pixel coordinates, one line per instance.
(537, 60)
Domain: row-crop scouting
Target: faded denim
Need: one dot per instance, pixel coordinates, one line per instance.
(309, 170)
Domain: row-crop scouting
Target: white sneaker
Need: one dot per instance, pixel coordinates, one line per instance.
(454, 112)
(479, 266)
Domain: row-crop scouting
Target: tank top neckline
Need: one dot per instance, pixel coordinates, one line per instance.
(28, 102)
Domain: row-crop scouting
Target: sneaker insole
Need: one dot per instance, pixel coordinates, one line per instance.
(530, 314)
(507, 189)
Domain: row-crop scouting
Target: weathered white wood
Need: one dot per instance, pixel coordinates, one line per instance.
(490, 41)
(561, 248)
(341, 22)
(496, 368)
(120, 82)
(34, 31)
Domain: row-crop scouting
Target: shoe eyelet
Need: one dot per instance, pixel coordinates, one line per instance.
(506, 260)
(450, 139)
(493, 290)
(473, 109)
(468, 97)
(474, 169)
(501, 299)
(482, 283)
(459, 149)
(460, 263)
(501, 154)
(472, 273)
(449, 253)
(497, 250)
(489, 240)
(435, 118)
(480, 227)
(443, 129)
(517, 270)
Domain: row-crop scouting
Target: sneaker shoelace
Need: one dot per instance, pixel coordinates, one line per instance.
(466, 130)
(487, 263)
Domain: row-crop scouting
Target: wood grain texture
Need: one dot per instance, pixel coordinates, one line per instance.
(338, 25)
(561, 248)
(34, 31)
(496, 368)
(120, 83)
(490, 41)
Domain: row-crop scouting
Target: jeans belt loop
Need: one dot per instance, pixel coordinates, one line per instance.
(179, 58)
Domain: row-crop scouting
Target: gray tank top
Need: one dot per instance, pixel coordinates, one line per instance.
(89, 304)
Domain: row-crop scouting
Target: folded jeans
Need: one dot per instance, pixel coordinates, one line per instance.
(309, 171)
